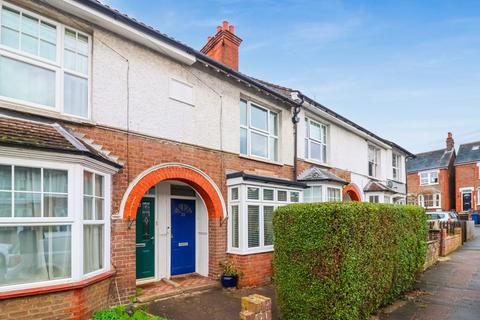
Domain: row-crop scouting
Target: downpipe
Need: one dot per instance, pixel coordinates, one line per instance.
(296, 96)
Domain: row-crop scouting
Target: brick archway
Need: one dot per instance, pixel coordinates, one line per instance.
(194, 177)
(353, 192)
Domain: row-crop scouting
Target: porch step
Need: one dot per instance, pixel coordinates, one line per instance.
(177, 291)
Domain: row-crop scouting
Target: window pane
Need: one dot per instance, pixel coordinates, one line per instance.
(92, 248)
(19, 80)
(82, 64)
(70, 39)
(76, 96)
(87, 183)
(294, 196)
(307, 195)
(98, 185)
(88, 208)
(29, 44)
(253, 193)
(36, 254)
(273, 124)
(27, 204)
(55, 181)
(10, 37)
(315, 131)
(5, 206)
(253, 226)
(48, 32)
(11, 18)
(27, 179)
(234, 193)
(268, 225)
(243, 141)
(235, 226)
(315, 151)
(243, 112)
(268, 194)
(48, 50)
(317, 194)
(282, 195)
(82, 45)
(55, 205)
(5, 177)
(259, 145)
(258, 118)
(99, 208)
(30, 25)
(69, 59)
(273, 149)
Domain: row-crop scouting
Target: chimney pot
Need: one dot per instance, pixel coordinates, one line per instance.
(450, 142)
(231, 28)
(219, 28)
(225, 25)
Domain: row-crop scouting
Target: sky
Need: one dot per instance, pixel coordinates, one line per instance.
(408, 71)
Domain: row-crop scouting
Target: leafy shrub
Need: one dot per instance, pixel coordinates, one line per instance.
(345, 260)
(119, 313)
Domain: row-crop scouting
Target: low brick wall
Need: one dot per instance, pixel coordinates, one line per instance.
(433, 252)
(256, 307)
(450, 243)
(255, 269)
(78, 303)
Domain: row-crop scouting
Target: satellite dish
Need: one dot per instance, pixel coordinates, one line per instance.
(390, 184)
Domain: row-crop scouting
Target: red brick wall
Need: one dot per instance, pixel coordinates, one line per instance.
(73, 304)
(466, 176)
(443, 187)
(255, 269)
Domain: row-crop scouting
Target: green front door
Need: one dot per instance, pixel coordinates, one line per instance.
(146, 239)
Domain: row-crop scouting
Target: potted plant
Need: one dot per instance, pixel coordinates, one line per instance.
(229, 276)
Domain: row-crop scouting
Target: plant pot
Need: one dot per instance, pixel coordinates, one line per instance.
(229, 281)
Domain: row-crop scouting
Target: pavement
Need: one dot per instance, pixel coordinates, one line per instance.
(214, 304)
(448, 290)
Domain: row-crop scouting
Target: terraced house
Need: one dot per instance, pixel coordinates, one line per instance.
(127, 157)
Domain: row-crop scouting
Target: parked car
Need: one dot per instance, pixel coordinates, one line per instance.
(442, 216)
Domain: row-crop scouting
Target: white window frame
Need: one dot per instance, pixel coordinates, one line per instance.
(74, 219)
(436, 197)
(266, 133)
(396, 166)
(374, 196)
(375, 161)
(243, 204)
(309, 140)
(467, 190)
(55, 66)
(336, 189)
(429, 177)
(324, 191)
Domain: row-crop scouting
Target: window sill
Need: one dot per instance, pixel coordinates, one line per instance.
(260, 159)
(56, 288)
(52, 114)
(318, 163)
(250, 252)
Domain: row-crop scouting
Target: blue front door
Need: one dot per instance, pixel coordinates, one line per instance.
(183, 237)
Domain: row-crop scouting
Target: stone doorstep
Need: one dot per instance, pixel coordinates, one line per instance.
(177, 291)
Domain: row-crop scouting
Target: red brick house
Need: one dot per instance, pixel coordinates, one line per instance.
(127, 157)
(467, 177)
(431, 178)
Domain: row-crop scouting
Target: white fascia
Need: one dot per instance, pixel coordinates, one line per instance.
(332, 119)
(122, 29)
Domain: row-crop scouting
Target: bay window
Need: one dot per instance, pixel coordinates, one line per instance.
(43, 64)
(258, 131)
(322, 193)
(334, 194)
(41, 212)
(251, 211)
(429, 200)
(315, 141)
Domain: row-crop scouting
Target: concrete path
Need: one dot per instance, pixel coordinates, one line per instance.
(448, 290)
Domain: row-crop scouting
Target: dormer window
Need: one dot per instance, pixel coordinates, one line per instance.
(43, 64)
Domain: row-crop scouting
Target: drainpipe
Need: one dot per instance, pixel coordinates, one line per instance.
(296, 95)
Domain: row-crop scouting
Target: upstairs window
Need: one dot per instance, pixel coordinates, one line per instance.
(373, 161)
(397, 166)
(43, 64)
(258, 131)
(428, 178)
(315, 141)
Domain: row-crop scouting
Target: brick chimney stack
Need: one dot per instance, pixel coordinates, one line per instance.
(223, 46)
(450, 142)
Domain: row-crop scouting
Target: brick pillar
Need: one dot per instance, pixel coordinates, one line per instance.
(443, 242)
(256, 307)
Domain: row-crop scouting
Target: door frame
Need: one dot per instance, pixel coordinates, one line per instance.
(462, 192)
(155, 242)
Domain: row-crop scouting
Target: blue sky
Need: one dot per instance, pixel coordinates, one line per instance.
(406, 70)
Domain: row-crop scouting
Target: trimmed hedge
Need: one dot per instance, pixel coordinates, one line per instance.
(345, 260)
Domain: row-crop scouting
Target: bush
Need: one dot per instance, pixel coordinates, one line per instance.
(345, 260)
(119, 313)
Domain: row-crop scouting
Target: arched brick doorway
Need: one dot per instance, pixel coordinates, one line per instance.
(190, 175)
(352, 193)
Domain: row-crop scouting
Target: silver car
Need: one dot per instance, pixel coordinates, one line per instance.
(442, 216)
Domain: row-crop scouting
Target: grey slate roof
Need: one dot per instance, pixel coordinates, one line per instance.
(430, 160)
(468, 152)
(317, 174)
(52, 137)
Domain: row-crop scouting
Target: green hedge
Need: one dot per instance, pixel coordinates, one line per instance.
(345, 260)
